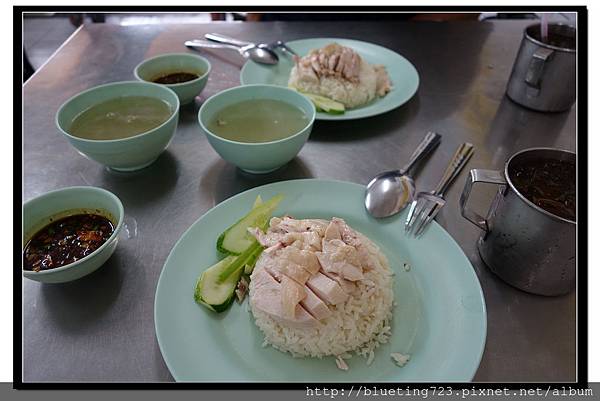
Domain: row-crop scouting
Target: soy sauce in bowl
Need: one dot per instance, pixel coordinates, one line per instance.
(175, 78)
(66, 240)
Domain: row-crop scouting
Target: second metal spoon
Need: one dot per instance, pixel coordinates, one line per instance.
(257, 54)
(217, 37)
(390, 192)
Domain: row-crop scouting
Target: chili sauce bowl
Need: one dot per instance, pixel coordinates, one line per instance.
(123, 154)
(151, 69)
(44, 209)
(257, 157)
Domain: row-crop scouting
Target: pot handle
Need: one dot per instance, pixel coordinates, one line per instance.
(533, 77)
(478, 175)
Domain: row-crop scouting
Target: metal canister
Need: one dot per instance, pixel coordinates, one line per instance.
(525, 245)
(543, 75)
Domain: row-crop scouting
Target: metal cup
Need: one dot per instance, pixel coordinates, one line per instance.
(543, 75)
(525, 245)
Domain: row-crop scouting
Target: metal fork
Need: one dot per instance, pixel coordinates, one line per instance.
(427, 204)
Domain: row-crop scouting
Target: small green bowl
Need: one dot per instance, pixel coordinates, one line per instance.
(127, 154)
(262, 157)
(39, 212)
(154, 67)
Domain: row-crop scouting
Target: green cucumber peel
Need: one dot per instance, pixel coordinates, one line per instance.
(239, 262)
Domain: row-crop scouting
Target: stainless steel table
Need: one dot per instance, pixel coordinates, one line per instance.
(101, 328)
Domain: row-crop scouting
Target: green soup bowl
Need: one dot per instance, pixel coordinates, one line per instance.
(44, 209)
(156, 67)
(261, 157)
(127, 154)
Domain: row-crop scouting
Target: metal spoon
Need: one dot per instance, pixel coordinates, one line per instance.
(217, 37)
(390, 192)
(255, 53)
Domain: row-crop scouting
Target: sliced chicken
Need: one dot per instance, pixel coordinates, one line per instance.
(350, 237)
(274, 248)
(269, 263)
(341, 251)
(366, 260)
(307, 266)
(307, 259)
(268, 239)
(315, 305)
(347, 285)
(332, 232)
(267, 297)
(342, 259)
(383, 84)
(314, 63)
(308, 240)
(288, 225)
(305, 70)
(344, 58)
(327, 289)
(331, 60)
(341, 268)
(274, 222)
(278, 266)
(352, 67)
(291, 295)
(293, 271)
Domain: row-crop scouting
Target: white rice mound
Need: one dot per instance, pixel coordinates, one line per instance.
(341, 90)
(359, 325)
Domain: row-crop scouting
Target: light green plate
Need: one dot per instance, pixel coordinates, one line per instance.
(440, 317)
(402, 73)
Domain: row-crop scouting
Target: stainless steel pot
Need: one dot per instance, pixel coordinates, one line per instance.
(525, 245)
(543, 75)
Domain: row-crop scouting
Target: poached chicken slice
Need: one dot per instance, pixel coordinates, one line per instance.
(267, 297)
(278, 266)
(315, 305)
(291, 295)
(308, 260)
(342, 259)
(327, 289)
(308, 267)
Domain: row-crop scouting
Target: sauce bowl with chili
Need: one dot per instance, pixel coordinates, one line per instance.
(186, 74)
(69, 233)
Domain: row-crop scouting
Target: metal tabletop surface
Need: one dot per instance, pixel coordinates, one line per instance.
(101, 327)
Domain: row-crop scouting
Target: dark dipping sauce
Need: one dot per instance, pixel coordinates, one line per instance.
(549, 184)
(175, 78)
(65, 241)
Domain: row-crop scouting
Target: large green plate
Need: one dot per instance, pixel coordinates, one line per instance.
(404, 76)
(440, 317)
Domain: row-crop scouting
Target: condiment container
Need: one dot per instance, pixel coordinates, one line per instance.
(525, 245)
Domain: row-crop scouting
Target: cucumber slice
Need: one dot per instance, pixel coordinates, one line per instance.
(325, 104)
(236, 239)
(212, 293)
(257, 202)
(238, 264)
(252, 260)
